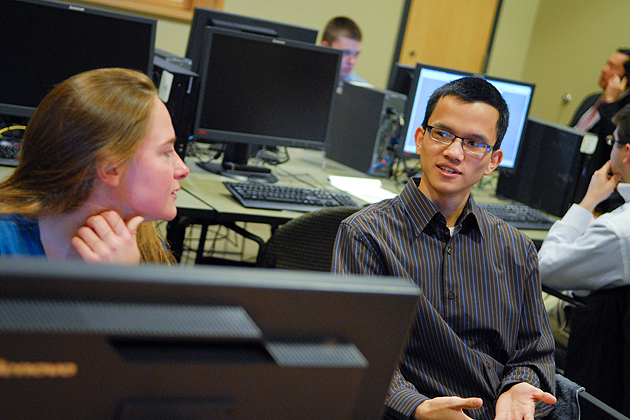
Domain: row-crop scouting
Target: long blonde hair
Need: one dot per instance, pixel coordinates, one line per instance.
(91, 117)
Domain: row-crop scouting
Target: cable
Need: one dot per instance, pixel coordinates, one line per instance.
(200, 199)
(11, 128)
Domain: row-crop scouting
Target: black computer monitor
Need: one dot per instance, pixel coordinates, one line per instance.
(400, 78)
(426, 79)
(44, 42)
(207, 17)
(100, 342)
(258, 90)
(548, 170)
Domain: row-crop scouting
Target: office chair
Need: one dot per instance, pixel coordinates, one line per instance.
(306, 242)
(574, 403)
(600, 320)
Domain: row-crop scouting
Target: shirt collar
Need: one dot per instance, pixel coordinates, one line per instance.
(624, 190)
(422, 211)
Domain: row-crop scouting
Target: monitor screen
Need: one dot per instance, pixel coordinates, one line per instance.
(45, 42)
(548, 170)
(86, 341)
(207, 17)
(261, 90)
(427, 79)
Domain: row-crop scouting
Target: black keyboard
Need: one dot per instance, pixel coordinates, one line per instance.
(281, 197)
(519, 215)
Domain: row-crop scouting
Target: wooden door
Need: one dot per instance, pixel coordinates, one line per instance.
(449, 33)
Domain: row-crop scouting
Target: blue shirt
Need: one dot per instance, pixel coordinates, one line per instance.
(19, 236)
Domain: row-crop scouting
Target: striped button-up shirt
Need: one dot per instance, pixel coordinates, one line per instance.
(481, 323)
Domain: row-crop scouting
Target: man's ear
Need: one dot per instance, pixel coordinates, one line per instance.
(325, 43)
(495, 160)
(109, 173)
(419, 138)
(626, 159)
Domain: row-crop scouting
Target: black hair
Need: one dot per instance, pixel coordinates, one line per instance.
(473, 89)
(626, 64)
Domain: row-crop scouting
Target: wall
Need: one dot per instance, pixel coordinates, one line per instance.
(512, 38)
(570, 43)
(379, 21)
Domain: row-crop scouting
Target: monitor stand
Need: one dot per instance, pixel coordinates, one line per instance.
(234, 165)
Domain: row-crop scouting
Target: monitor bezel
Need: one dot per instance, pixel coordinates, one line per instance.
(204, 134)
(14, 110)
(308, 307)
(523, 125)
(203, 18)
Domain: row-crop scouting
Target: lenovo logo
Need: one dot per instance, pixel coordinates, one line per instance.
(10, 369)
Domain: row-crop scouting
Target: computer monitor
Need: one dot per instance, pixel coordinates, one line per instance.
(258, 90)
(207, 17)
(400, 78)
(45, 42)
(427, 79)
(549, 166)
(100, 342)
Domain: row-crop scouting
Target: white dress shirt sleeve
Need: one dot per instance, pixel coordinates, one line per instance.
(580, 255)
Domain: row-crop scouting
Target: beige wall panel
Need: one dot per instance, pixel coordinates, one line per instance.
(570, 43)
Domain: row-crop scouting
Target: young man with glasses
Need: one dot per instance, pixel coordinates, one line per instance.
(592, 255)
(481, 346)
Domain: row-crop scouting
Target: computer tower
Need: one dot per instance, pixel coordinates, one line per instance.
(364, 120)
(178, 89)
(548, 168)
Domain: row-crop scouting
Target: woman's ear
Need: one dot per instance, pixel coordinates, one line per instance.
(109, 173)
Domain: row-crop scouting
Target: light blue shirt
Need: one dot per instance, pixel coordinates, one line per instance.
(353, 77)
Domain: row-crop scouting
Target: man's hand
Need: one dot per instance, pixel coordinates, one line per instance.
(446, 408)
(600, 187)
(519, 402)
(615, 87)
(106, 238)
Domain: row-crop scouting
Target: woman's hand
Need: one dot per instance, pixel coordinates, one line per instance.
(106, 238)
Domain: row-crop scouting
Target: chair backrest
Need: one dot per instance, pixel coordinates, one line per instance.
(306, 242)
(574, 403)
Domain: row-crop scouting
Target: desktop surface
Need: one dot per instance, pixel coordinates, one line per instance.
(307, 168)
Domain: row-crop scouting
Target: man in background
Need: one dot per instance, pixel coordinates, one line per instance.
(595, 115)
(344, 34)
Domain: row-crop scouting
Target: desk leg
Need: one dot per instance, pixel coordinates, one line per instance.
(175, 235)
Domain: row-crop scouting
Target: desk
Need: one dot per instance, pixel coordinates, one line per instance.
(205, 201)
(215, 205)
(306, 168)
(5, 172)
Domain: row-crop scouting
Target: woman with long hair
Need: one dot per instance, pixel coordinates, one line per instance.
(96, 169)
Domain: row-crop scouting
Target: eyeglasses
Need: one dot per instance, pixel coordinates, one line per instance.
(443, 136)
(610, 140)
